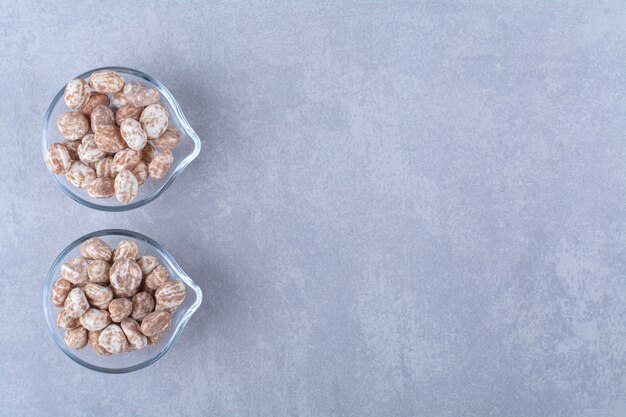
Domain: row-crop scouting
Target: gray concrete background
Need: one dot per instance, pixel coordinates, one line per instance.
(400, 209)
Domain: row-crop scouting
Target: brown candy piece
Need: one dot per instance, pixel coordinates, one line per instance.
(143, 304)
(60, 290)
(106, 168)
(97, 294)
(133, 134)
(125, 275)
(154, 120)
(140, 94)
(95, 100)
(98, 271)
(96, 248)
(58, 158)
(126, 186)
(120, 308)
(126, 159)
(127, 111)
(95, 320)
(88, 150)
(95, 344)
(156, 323)
(132, 330)
(106, 82)
(102, 187)
(160, 164)
(170, 295)
(75, 270)
(147, 263)
(112, 339)
(157, 277)
(169, 139)
(76, 303)
(73, 125)
(65, 321)
(125, 249)
(76, 93)
(109, 139)
(76, 338)
(100, 117)
(80, 175)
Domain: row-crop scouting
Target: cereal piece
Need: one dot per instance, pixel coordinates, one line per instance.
(133, 333)
(94, 319)
(94, 101)
(126, 159)
(148, 153)
(126, 187)
(156, 323)
(154, 340)
(147, 264)
(98, 271)
(133, 134)
(118, 100)
(101, 188)
(95, 344)
(88, 151)
(154, 120)
(169, 139)
(73, 125)
(98, 294)
(79, 174)
(60, 290)
(76, 303)
(109, 139)
(96, 248)
(141, 95)
(100, 117)
(157, 277)
(127, 111)
(106, 168)
(143, 304)
(76, 338)
(75, 270)
(76, 93)
(112, 339)
(65, 321)
(125, 249)
(160, 164)
(170, 295)
(58, 158)
(140, 171)
(120, 308)
(106, 82)
(125, 275)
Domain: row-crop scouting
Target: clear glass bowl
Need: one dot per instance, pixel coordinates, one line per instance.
(184, 153)
(130, 361)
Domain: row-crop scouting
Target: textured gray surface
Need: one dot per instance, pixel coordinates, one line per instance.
(399, 209)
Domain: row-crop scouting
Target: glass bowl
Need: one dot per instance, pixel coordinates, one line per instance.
(128, 361)
(184, 153)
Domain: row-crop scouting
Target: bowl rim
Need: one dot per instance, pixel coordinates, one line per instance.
(177, 170)
(171, 262)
